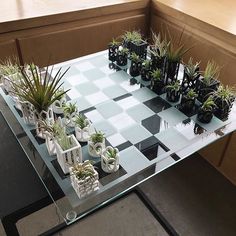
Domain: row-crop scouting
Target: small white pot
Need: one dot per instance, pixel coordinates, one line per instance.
(95, 150)
(110, 165)
(84, 187)
(57, 106)
(69, 119)
(50, 144)
(69, 157)
(83, 135)
(28, 112)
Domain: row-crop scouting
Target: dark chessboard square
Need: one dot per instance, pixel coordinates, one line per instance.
(157, 104)
(122, 97)
(19, 112)
(188, 113)
(106, 178)
(124, 145)
(88, 110)
(59, 170)
(38, 139)
(155, 124)
(151, 148)
(175, 156)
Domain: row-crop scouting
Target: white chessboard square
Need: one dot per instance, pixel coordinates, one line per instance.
(103, 83)
(128, 102)
(116, 139)
(84, 66)
(77, 79)
(94, 116)
(129, 88)
(96, 98)
(73, 93)
(121, 121)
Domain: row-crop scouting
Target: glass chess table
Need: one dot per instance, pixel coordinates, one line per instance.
(150, 133)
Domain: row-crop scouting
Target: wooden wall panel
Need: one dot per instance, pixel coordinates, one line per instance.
(8, 49)
(74, 42)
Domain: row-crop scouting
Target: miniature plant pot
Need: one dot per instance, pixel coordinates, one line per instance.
(46, 116)
(95, 150)
(50, 144)
(112, 52)
(69, 119)
(86, 186)
(139, 49)
(173, 95)
(158, 62)
(121, 59)
(135, 68)
(204, 116)
(109, 164)
(171, 71)
(83, 135)
(57, 106)
(189, 83)
(223, 108)
(157, 86)
(145, 74)
(68, 157)
(28, 112)
(204, 90)
(187, 104)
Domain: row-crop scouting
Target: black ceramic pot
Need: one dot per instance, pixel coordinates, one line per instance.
(173, 95)
(223, 108)
(204, 116)
(121, 59)
(187, 104)
(189, 83)
(135, 68)
(145, 74)
(139, 49)
(112, 52)
(158, 62)
(157, 86)
(171, 71)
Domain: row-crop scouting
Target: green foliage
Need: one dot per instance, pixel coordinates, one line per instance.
(9, 68)
(124, 51)
(160, 46)
(209, 104)
(59, 94)
(54, 130)
(191, 94)
(132, 36)
(83, 170)
(114, 42)
(134, 57)
(81, 121)
(111, 153)
(64, 141)
(173, 86)
(211, 72)
(97, 137)
(156, 75)
(191, 69)
(39, 90)
(70, 108)
(146, 64)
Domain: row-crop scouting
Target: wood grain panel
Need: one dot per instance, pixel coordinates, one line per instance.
(72, 43)
(8, 49)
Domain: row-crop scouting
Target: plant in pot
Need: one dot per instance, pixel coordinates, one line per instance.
(96, 144)
(173, 91)
(39, 90)
(58, 105)
(158, 52)
(157, 81)
(135, 65)
(223, 98)
(82, 128)
(122, 57)
(68, 150)
(70, 111)
(146, 70)
(188, 100)
(208, 82)
(113, 47)
(205, 112)
(191, 75)
(84, 178)
(110, 159)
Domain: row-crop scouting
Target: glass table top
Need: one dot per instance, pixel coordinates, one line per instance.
(150, 133)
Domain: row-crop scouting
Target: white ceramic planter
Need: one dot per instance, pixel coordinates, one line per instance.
(84, 187)
(45, 115)
(57, 106)
(28, 112)
(109, 165)
(68, 157)
(69, 119)
(83, 135)
(95, 150)
(50, 144)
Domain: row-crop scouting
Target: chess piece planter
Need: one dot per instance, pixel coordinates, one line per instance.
(82, 185)
(171, 71)
(57, 106)
(28, 112)
(112, 50)
(83, 134)
(69, 156)
(110, 159)
(158, 62)
(140, 48)
(122, 57)
(173, 92)
(96, 144)
(188, 100)
(146, 70)
(50, 144)
(135, 65)
(205, 112)
(157, 82)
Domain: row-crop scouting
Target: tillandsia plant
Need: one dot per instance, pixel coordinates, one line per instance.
(70, 108)
(83, 170)
(135, 64)
(110, 159)
(159, 47)
(208, 105)
(146, 70)
(96, 143)
(9, 67)
(64, 141)
(122, 56)
(113, 47)
(111, 153)
(173, 91)
(40, 90)
(188, 100)
(114, 43)
(131, 36)
(191, 94)
(156, 75)
(157, 81)
(54, 130)
(81, 121)
(134, 57)
(211, 73)
(205, 112)
(97, 137)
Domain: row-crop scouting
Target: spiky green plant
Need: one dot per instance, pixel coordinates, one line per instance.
(156, 75)
(64, 141)
(55, 129)
(124, 51)
(173, 86)
(160, 46)
(70, 108)
(111, 153)
(83, 170)
(212, 71)
(114, 42)
(192, 69)
(81, 121)
(191, 94)
(39, 90)
(8, 67)
(209, 104)
(60, 93)
(146, 64)
(134, 57)
(97, 137)
(132, 36)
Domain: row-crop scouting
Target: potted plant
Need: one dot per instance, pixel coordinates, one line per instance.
(191, 75)
(122, 57)
(70, 111)
(84, 178)
(110, 159)
(205, 112)
(112, 50)
(157, 81)
(223, 98)
(146, 70)
(96, 144)
(188, 100)
(40, 90)
(173, 91)
(58, 105)
(68, 150)
(82, 128)
(135, 65)
(208, 82)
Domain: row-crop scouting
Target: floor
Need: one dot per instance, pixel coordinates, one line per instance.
(193, 197)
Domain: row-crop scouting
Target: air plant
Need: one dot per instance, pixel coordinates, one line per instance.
(212, 71)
